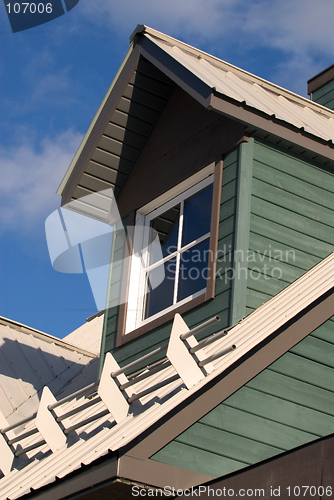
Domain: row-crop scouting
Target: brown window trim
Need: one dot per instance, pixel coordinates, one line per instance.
(209, 294)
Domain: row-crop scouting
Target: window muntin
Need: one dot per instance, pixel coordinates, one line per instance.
(183, 227)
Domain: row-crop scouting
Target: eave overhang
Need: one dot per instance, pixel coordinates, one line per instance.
(110, 148)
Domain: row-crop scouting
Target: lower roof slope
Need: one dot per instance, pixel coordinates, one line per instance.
(98, 434)
(88, 336)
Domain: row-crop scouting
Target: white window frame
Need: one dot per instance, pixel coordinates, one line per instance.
(139, 258)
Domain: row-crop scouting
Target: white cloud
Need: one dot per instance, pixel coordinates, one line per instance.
(31, 174)
(300, 29)
(290, 26)
(298, 26)
(188, 16)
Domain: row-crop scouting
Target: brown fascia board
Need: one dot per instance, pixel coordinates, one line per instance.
(108, 472)
(271, 124)
(212, 100)
(78, 482)
(172, 68)
(158, 474)
(219, 389)
(320, 79)
(93, 139)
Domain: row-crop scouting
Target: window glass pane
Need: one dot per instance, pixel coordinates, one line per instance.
(167, 227)
(197, 215)
(157, 298)
(193, 270)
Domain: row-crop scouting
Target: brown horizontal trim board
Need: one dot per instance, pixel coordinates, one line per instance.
(158, 474)
(123, 338)
(303, 472)
(169, 427)
(320, 79)
(273, 126)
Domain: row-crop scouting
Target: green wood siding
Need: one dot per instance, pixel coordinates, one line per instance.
(288, 404)
(324, 95)
(219, 305)
(291, 221)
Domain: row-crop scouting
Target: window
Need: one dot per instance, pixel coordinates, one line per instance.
(183, 229)
(176, 264)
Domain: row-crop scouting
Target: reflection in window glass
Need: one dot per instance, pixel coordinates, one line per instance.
(167, 227)
(161, 297)
(197, 215)
(186, 224)
(193, 270)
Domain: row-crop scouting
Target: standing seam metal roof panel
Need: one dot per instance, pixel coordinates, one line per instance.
(254, 91)
(97, 438)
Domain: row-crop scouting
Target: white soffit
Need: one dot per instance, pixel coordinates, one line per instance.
(97, 438)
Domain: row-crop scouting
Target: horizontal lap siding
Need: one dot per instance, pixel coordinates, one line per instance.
(325, 95)
(292, 221)
(292, 401)
(287, 405)
(219, 305)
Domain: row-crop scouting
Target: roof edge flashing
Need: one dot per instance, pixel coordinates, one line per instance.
(140, 28)
(174, 70)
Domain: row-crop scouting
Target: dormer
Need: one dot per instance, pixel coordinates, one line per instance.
(219, 163)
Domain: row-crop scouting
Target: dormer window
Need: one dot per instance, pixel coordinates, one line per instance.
(183, 227)
(174, 270)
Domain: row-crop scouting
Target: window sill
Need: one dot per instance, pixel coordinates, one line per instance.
(165, 318)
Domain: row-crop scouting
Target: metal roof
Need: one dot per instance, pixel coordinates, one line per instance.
(88, 336)
(101, 436)
(123, 131)
(30, 359)
(141, 88)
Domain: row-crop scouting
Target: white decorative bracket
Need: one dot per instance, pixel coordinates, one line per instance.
(6, 454)
(46, 423)
(109, 391)
(180, 357)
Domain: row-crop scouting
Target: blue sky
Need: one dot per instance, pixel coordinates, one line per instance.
(54, 77)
